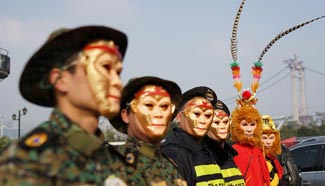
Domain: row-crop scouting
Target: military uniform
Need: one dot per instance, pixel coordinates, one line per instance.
(58, 152)
(141, 163)
(137, 162)
(194, 161)
(61, 74)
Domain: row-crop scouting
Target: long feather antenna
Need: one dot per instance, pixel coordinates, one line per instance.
(257, 68)
(233, 48)
(233, 40)
(285, 33)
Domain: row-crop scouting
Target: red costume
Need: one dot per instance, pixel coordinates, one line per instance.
(252, 164)
(250, 158)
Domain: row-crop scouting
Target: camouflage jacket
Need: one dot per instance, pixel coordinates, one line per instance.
(142, 164)
(58, 152)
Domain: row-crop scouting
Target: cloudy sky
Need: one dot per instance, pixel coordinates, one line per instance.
(186, 41)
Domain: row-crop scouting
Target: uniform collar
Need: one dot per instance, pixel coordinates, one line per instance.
(76, 137)
(144, 148)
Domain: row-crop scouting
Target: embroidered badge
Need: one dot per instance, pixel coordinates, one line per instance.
(36, 140)
(130, 158)
(209, 95)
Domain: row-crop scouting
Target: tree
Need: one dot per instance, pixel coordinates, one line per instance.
(4, 142)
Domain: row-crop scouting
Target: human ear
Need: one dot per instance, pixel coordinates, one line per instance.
(56, 79)
(124, 116)
(178, 117)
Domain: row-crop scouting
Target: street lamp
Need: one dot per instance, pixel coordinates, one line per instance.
(20, 113)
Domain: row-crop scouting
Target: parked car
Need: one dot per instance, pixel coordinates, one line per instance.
(309, 156)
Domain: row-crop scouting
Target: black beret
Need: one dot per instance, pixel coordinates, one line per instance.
(61, 44)
(200, 91)
(221, 106)
(134, 85)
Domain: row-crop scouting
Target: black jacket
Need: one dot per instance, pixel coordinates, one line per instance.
(224, 156)
(190, 157)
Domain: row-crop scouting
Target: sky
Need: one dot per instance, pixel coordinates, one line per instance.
(187, 41)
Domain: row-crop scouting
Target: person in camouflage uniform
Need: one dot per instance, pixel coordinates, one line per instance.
(148, 105)
(77, 71)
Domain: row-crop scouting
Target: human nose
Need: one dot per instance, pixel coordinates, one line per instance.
(204, 120)
(157, 112)
(116, 81)
(249, 129)
(222, 126)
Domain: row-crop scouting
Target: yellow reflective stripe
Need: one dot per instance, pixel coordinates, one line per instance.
(219, 182)
(235, 183)
(230, 177)
(230, 172)
(201, 170)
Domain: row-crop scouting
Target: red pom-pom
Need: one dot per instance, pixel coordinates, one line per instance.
(246, 94)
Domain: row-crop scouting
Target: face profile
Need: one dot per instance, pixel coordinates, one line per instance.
(103, 66)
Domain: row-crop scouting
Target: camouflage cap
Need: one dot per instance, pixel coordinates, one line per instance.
(61, 44)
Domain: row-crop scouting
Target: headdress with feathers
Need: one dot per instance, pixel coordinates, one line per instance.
(246, 101)
(247, 97)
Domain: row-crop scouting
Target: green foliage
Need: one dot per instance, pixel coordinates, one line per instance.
(288, 131)
(291, 130)
(4, 141)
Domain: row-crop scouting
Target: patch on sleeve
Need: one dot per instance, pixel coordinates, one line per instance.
(131, 157)
(36, 140)
(39, 138)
